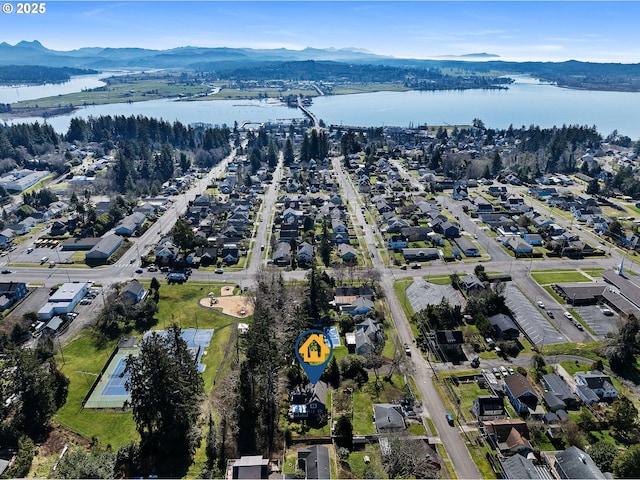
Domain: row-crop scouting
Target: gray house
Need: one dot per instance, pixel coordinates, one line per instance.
(575, 463)
(559, 389)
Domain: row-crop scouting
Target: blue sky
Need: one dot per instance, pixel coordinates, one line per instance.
(548, 31)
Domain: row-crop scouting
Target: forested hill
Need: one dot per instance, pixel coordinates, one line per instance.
(38, 75)
(414, 77)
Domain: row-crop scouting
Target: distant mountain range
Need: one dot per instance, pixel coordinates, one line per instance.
(573, 74)
(34, 53)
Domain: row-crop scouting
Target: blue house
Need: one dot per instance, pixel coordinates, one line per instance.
(398, 241)
(520, 392)
(532, 239)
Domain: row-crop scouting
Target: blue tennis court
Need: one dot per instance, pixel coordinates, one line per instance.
(110, 391)
(332, 333)
(117, 379)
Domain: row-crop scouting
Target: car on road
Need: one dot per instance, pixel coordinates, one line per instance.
(138, 270)
(540, 303)
(152, 268)
(6, 270)
(550, 314)
(578, 325)
(449, 418)
(568, 316)
(407, 350)
(416, 266)
(218, 271)
(132, 260)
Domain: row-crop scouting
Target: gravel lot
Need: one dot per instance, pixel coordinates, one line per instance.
(421, 293)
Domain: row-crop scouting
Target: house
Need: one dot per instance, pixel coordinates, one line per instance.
(508, 435)
(231, 253)
(447, 229)
(305, 253)
(515, 244)
(103, 249)
(11, 293)
(504, 326)
(347, 253)
(368, 333)
(449, 340)
(282, 254)
(574, 463)
(166, 251)
(133, 292)
(554, 383)
(488, 407)
(388, 417)
(397, 242)
(315, 462)
(518, 467)
(416, 234)
(533, 239)
(248, 467)
(359, 306)
(420, 254)
(598, 382)
(309, 402)
(467, 247)
(521, 393)
(471, 283)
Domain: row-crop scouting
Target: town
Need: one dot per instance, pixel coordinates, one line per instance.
(479, 286)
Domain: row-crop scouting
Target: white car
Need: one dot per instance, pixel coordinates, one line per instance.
(568, 316)
(540, 304)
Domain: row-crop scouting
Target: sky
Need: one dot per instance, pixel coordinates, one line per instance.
(515, 31)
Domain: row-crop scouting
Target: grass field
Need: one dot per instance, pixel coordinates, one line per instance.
(84, 358)
(559, 276)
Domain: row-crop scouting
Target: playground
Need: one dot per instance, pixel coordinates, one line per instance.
(238, 306)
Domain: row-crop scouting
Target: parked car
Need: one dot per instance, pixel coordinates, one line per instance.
(30, 249)
(218, 271)
(606, 311)
(449, 418)
(43, 260)
(504, 371)
(416, 266)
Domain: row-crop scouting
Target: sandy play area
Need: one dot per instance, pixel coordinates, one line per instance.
(239, 306)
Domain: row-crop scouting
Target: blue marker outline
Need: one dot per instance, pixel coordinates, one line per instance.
(314, 372)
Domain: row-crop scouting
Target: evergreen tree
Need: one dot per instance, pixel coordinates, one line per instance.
(165, 392)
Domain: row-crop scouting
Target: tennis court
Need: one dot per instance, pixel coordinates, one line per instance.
(110, 391)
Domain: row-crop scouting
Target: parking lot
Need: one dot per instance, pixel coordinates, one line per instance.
(601, 324)
(530, 318)
(52, 254)
(421, 293)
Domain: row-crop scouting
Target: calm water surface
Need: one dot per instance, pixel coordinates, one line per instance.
(526, 102)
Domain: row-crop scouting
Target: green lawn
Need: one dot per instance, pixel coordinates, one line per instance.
(559, 276)
(110, 427)
(362, 414)
(84, 358)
